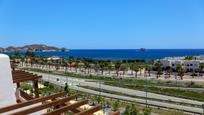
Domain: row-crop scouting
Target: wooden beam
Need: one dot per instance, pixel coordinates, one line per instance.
(31, 102)
(66, 108)
(76, 110)
(90, 111)
(116, 113)
(26, 96)
(27, 76)
(24, 79)
(44, 106)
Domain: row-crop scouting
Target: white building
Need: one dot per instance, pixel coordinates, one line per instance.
(187, 64)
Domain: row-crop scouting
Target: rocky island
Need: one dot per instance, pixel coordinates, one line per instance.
(34, 48)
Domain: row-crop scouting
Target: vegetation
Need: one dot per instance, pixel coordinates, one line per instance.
(130, 108)
(87, 66)
(189, 58)
(181, 71)
(158, 68)
(140, 85)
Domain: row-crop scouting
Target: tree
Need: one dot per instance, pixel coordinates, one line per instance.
(169, 71)
(49, 65)
(131, 110)
(98, 99)
(102, 65)
(136, 69)
(123, 68)
(201, 67)
(110, 67)
(189, 58)
(29, 53)
(66, 64)
(76, 65)
(116, 105)
(148, 68)
(147, 111)
(17, 53)
(140, 69)
(87, 66)
(70, 61)
(131, 68)
(158, 68)
(117, 67)
(181, 70)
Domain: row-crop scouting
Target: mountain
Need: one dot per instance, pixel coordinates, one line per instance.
(34, 48)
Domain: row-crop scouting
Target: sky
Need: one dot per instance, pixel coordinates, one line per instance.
(103, 24)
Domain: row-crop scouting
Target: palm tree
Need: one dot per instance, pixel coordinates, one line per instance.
(87, 66)
(148, 68)
(123, 68)
(76, 65)
(96, 67)
(102, 66)
(70, 61)
(22, 60)
(110, 67)
(136, 69)
(169, 71)
(140, 69)
(181, 71)
(49, 65)
(66, 64)
(201, 67)
(158, 68)
(117, 67)
(131, 68)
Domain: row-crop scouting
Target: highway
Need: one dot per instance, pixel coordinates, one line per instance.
(75, 82)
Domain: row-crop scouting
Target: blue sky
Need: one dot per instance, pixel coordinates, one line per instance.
(103, 24)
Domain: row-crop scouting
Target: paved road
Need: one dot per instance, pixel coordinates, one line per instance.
(75, 81)
(143, 101)
(83, 82)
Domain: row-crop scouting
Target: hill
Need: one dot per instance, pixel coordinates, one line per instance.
(34, 48)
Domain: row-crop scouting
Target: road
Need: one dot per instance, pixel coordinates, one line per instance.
(73, 82)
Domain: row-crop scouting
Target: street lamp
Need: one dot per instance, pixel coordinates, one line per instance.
(203, 108)
(145, 87)
(100, 88)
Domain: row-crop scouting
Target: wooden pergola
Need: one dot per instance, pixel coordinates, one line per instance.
(56, 103)
(21, 76)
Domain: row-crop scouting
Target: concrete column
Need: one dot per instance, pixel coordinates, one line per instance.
(7, 92)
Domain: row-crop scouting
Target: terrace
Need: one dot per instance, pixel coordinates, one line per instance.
(17, 102)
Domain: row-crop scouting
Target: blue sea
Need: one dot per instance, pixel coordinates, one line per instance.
(149, 54)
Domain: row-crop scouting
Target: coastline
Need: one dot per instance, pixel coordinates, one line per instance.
(120, 54)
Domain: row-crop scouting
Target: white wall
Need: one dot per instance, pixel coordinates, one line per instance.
(7, 93)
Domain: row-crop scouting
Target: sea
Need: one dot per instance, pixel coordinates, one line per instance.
(121, 54)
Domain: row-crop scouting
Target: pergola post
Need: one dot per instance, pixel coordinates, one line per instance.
(36, 90)
(18, 84)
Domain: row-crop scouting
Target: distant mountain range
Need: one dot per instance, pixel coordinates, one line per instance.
(34, 48)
